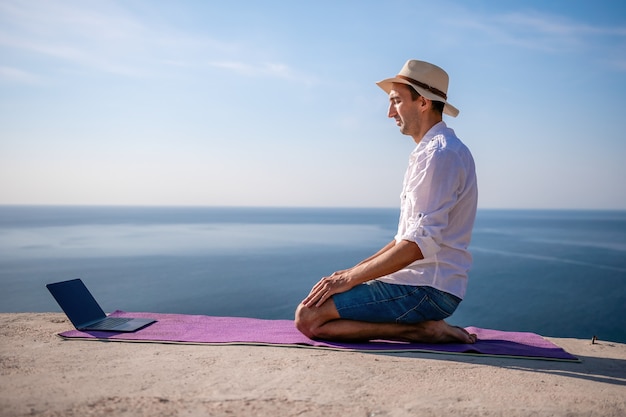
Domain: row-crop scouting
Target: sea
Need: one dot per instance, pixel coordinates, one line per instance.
(552, 272)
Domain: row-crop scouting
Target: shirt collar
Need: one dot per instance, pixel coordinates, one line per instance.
(434, 131)
(437, 129)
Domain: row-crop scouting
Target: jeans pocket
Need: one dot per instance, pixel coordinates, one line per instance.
(443, 306)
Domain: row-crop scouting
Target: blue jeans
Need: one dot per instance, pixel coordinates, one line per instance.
(381, 302)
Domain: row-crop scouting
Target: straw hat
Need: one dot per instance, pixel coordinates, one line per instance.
(429, 80)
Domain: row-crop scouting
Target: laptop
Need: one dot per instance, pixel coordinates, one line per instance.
(84, 311)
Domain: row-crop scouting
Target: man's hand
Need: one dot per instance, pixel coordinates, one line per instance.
(338, 282)
(390, 259)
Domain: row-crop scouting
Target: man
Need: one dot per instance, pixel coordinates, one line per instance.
(405, 290)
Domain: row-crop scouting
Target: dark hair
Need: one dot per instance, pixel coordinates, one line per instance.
(437, 105)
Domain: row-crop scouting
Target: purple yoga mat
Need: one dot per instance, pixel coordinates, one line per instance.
(182, 328)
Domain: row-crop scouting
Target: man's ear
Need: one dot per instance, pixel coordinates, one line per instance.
(424, 103)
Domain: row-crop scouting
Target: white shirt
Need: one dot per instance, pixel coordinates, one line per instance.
(438, 208)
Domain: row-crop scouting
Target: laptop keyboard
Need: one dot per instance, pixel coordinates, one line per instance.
(109, 322)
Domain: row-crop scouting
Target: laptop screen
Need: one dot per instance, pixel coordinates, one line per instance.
(76, 301)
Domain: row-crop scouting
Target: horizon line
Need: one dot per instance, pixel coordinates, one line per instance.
(283, 207)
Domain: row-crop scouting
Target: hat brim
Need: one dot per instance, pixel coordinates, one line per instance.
(448, 108)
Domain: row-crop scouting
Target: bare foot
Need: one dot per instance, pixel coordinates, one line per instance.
(441, 332)
(472, 336)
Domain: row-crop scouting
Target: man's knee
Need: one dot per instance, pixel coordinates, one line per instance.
(303, 321)
(309, 320)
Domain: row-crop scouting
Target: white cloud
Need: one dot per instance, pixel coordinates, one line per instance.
(265, 69)
(102, 37)
(538, 31)
(16, 75)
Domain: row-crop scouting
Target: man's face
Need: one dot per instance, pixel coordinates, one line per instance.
(404, 109)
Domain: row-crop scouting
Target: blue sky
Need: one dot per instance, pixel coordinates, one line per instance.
(273, 103)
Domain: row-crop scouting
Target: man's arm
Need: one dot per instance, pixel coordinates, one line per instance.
(390, 259)
(364, 261)
(380, 252)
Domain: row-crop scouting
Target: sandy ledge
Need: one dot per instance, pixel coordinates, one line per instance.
(42, 375)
